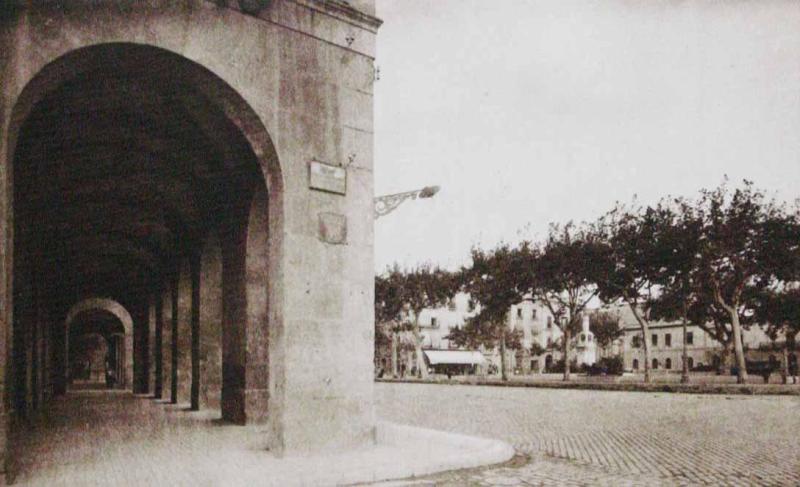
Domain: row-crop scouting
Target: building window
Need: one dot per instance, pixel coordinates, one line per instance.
(433, 322)
(636, 341)
(655, 340)
(668, 363)
(549, 322)
(690, 361)
(549, 341)
(668, 340)
(533, 313)
(636, 364)
(519, 312)
(583, 338)
(655, 363)
(689, 338)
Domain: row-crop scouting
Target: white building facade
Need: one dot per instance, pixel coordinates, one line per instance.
(534, 321)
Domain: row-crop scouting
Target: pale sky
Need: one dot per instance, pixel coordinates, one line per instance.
(530, 112)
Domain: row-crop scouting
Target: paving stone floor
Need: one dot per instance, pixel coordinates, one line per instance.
(102, 438)
(576, 437)
(563, 437)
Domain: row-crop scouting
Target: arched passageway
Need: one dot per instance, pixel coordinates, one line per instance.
(137, 164)
(147, 191)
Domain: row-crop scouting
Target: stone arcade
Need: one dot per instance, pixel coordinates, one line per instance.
(154, 170)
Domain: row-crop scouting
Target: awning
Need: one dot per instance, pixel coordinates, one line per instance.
(454, 357)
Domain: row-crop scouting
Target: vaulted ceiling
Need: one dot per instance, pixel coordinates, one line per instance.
(117, 174)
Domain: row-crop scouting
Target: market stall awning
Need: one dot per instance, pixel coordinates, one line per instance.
(454, 357)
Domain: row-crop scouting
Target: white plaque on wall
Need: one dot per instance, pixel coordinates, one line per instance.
(326, 177)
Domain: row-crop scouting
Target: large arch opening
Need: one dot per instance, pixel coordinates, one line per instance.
(141, 176)
(87, 321)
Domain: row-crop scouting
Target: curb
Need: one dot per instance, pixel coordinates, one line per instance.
(470, 451)
(731, 389)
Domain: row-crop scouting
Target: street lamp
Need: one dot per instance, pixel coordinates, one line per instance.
(387, 203)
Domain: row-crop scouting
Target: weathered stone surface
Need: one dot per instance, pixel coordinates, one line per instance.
(211, 323)
(333, 228)
(190, 119)
(184, 333)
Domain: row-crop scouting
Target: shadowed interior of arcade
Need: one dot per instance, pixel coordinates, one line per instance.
(140, 238)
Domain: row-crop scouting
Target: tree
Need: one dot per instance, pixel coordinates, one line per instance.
(631, 262)
(388, 308)
(605, 327)
(563, 276)
(780, 312)
(678, 248)
(400, 297)
(747, 244)
(494, 284)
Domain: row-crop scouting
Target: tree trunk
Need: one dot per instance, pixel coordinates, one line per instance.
(723, 359)
(685, 370)
(741, 365)
(503, 374)
(565, 351)
(785, 362)
(644, 326)
(422, 369)
(394, 353)
(646, 346)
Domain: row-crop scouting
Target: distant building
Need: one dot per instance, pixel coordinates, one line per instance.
(541, 335)
(666, 344)
(534, 320)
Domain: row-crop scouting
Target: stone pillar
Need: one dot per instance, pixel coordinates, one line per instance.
(47, 352)
(257, 334)
(151, 342)
(245, 331)
(141, 362)
(184, 335)
(166, 347)
(158, 348)
(127, 357)
(234, 322)
(195, 327)
(210, 284)
(173, 385)
(34, 384)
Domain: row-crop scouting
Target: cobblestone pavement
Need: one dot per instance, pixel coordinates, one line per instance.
(576, 437)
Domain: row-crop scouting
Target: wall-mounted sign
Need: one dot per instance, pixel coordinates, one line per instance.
(325, 177)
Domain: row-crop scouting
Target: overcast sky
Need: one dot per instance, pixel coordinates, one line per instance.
(530, 112)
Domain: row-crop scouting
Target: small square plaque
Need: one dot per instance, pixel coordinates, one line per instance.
(333, 228)
(326, 177)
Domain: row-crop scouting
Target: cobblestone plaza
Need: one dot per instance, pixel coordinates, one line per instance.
(611, 438)
(562, 437)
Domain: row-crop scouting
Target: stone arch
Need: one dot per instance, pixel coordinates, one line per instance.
(69, 64)
(122, 314)
(82, 59)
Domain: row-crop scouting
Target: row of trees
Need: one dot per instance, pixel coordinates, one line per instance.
(723, 262)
